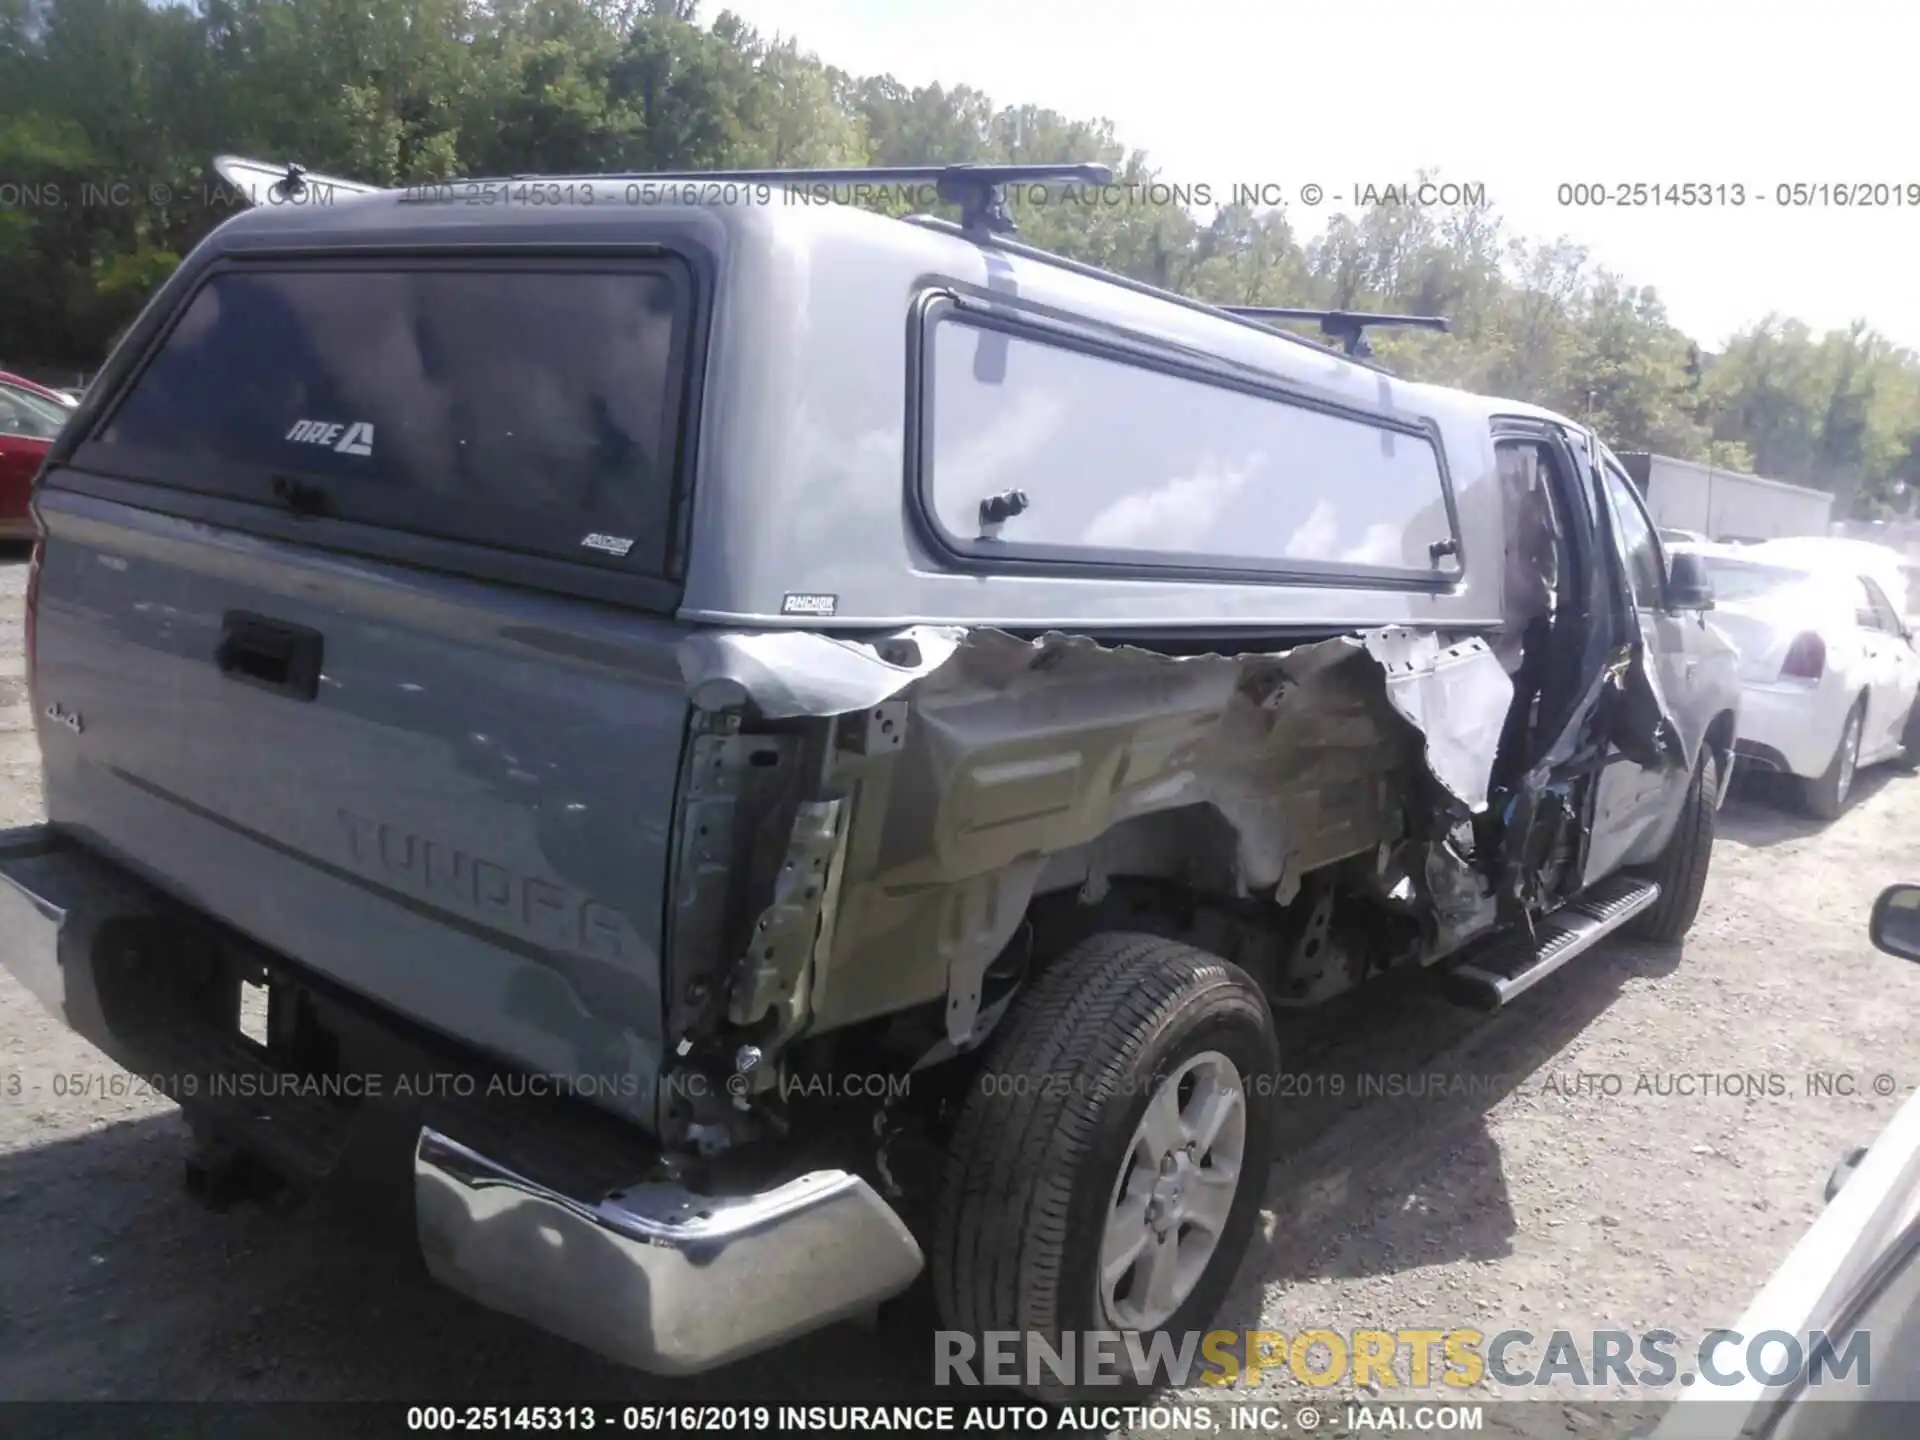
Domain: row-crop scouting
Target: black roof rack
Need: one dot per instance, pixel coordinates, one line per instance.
(1347, 326)
(277, 183)
(979, 190)
(1239, 316)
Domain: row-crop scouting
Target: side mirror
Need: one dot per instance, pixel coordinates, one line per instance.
(1895, 926)
(1689, 585)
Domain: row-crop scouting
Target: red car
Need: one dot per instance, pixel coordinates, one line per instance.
(29, 419)
(10, 381)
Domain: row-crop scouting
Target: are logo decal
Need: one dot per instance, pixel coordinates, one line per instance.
(347, 439)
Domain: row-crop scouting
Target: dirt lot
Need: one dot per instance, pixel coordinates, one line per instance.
(1558, 1180)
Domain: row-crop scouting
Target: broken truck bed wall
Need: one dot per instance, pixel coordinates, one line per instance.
(975, 769)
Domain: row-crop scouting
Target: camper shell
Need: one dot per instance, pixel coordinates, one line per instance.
(873, 616)
(813, 423)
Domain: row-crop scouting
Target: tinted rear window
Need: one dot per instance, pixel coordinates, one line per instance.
(531, 408)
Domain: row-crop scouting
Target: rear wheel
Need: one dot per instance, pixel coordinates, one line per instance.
(1826, 796)
(1910, 738)
(1681, 870)
(1107, 1168)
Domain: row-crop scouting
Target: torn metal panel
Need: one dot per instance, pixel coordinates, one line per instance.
(1457, 696)
(1457, 892)
(1006, 755)
(797, 672)
(1644, 727)
(796, 927)
(730, 784)
(1641, 724)
(978, 919)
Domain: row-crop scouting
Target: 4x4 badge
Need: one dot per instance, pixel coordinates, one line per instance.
(60, 715)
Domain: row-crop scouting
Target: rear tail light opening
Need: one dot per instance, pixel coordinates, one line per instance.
(1806, 658)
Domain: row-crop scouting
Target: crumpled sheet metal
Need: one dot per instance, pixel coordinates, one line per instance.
(1455, 693)
(1019, 750)
(788, 673)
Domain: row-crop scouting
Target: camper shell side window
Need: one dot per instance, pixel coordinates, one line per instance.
(1042, 446)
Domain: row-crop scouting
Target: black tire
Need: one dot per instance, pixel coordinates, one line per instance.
(1910, 738)
(1681, 870)
(1825, 796)
(1051, 1118)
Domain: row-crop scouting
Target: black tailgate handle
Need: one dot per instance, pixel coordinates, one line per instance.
(269, 653)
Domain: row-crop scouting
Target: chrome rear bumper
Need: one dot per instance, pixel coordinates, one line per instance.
(658, 1277)
(655, 1276)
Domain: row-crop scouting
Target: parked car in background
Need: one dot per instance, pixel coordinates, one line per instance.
(11, 384)
(27, 427)
(1681, 537)
(1893, 572)
(1856, 1272)
(1828, 668)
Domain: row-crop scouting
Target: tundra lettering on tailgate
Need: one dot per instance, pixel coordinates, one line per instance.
(544, 912)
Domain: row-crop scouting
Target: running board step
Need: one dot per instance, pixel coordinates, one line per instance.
(1511, 966)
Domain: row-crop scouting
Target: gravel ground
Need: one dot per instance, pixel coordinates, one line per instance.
(1558, 1180)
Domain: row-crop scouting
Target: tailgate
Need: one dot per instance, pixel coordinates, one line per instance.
(462, 812)
(325, 644)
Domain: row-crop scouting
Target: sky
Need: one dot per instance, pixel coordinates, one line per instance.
(1520, 97)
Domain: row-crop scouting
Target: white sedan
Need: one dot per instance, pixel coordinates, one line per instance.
(1896, 574)
(1829, 671)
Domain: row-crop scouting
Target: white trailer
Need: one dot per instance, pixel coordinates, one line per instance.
(1725, 504)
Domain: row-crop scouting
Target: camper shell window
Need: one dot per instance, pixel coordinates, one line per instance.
(1043, 447)
(533, 407)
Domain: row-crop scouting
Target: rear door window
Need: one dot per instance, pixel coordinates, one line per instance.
(527, 407)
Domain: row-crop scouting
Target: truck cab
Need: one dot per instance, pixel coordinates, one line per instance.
(823, 738)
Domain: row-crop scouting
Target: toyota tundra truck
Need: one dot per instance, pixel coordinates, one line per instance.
(736, 749)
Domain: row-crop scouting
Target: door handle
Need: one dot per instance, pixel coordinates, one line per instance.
(270, 654)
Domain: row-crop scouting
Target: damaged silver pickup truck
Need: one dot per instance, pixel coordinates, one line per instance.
(735, 749)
